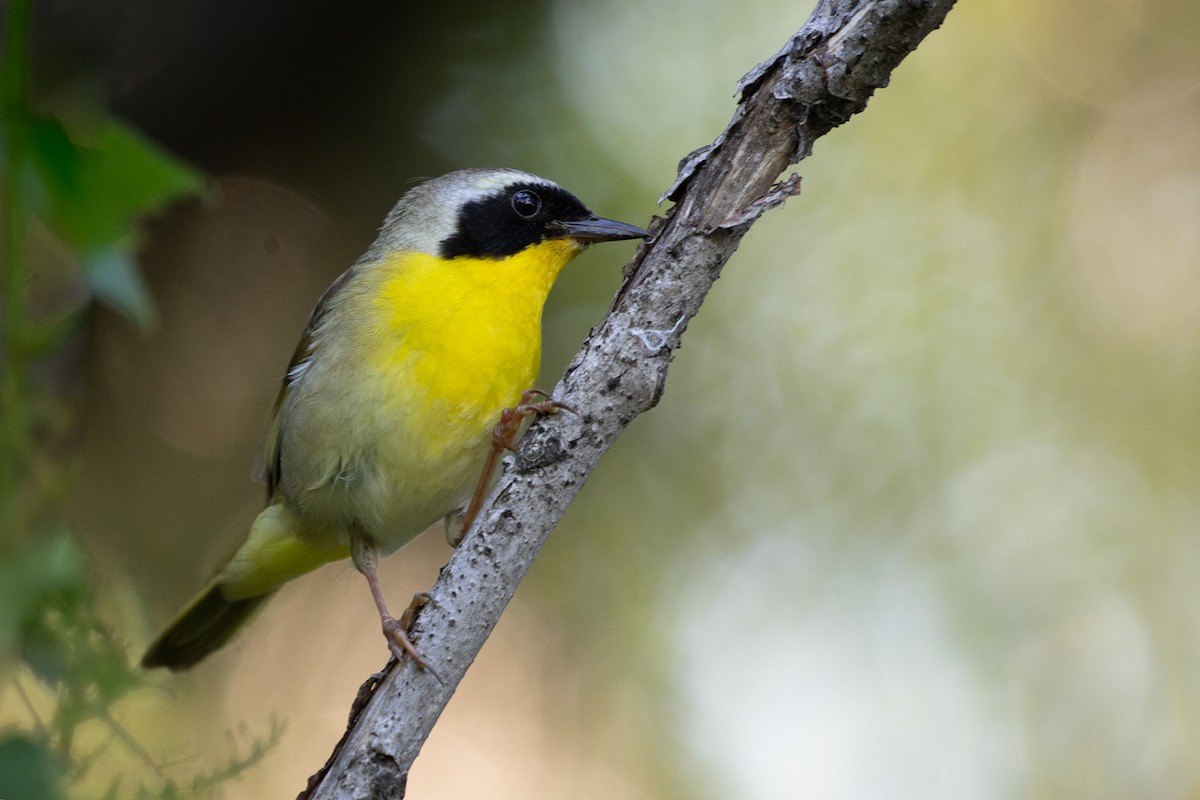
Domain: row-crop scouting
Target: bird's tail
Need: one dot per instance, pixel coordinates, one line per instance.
(273, 554)
(205, 625)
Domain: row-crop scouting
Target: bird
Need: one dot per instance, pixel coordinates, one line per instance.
(389, 404)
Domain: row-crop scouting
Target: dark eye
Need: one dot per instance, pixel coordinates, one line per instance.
(526, 203)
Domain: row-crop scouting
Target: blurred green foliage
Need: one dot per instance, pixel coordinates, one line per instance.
(28, 770)
(86, 185)
(90, 194)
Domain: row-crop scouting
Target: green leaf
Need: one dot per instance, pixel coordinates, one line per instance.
(137, 177)
(91, 187)
(49, 174)
(122, 180)
(97, 189)
(29, 771)
(115, 280)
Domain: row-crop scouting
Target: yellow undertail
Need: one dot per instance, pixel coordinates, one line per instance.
(272, 555)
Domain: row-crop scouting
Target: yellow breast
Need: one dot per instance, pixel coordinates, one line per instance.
(464, 335)
(410, 373)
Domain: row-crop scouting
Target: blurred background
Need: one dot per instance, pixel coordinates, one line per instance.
(917, 516)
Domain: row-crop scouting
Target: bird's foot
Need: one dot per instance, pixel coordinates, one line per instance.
(396, 633)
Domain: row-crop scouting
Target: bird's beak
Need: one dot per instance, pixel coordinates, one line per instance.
(598, 229)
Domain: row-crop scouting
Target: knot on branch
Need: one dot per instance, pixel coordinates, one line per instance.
(538, 451)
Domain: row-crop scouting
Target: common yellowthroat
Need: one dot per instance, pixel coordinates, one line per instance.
(387, 408)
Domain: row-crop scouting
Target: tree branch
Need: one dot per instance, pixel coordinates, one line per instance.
(823, 76)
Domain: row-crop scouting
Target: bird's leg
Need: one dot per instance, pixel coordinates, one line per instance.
(366, 558)
(504, 437)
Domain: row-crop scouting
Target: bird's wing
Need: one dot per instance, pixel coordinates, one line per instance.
(268, 468)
